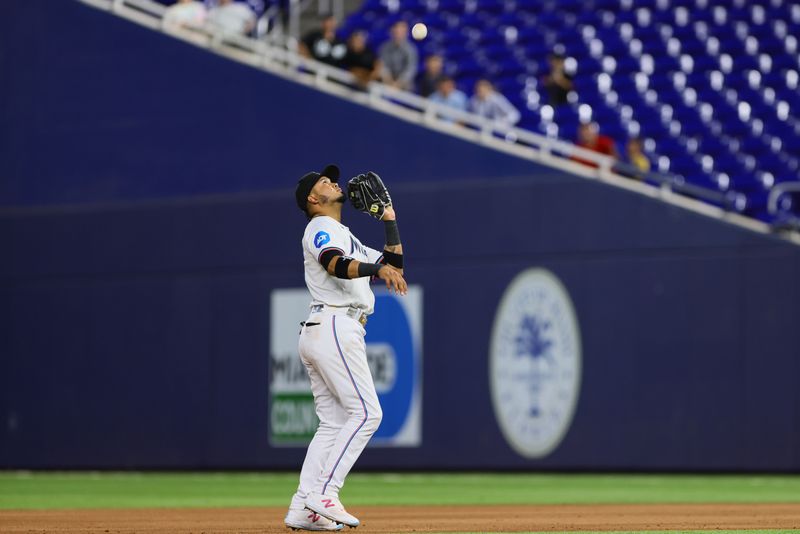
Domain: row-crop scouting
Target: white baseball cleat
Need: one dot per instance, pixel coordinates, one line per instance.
(330, 507)
(308, 520)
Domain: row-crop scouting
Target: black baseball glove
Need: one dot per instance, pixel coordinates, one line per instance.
(368, 194)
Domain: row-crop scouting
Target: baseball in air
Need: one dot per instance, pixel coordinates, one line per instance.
(419, 31)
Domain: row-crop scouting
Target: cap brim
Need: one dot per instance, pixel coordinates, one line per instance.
(331, 171)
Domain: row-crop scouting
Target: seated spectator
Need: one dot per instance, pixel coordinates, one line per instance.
(323, 45)
(428, 80)
(234, 18)
(589, 137)
(636, 156)
(360, 60)
(447, 94)
(557, 82)
(185, 14)
(492, 105)
(399, 58)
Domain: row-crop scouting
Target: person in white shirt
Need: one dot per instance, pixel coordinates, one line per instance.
(492, 105)
(338, 269)
(232, 18)
(185, 14)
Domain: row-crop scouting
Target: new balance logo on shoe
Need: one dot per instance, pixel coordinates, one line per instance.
(330, 508)
(309, 520)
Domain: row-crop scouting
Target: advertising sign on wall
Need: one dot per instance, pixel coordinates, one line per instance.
(394, 341)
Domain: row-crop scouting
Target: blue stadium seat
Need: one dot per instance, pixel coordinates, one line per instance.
(722, 108)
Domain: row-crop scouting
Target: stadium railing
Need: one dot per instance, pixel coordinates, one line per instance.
(272, 54)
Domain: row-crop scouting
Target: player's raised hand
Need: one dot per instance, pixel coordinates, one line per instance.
(368, 193)
(394, 280)
(388, 213)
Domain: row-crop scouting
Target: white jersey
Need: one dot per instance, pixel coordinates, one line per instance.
(326, 233)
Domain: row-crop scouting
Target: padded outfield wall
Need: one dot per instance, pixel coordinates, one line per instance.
(146, 325)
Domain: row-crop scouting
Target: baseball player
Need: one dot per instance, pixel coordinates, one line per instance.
(338, 268)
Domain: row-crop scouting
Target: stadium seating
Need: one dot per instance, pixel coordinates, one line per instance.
(712, 86)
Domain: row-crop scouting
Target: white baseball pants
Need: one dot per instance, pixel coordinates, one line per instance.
(335, 355)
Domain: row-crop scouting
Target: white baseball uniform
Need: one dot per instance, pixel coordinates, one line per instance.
(334, 353)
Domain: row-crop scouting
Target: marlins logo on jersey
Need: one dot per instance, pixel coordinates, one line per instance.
(535, 363)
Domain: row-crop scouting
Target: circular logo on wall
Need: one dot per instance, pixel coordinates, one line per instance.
(535, 363)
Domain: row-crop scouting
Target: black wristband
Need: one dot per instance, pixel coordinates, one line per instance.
(395, 260)
(368, 269)
(392, 233)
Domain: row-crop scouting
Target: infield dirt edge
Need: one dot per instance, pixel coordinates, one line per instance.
(399, 519)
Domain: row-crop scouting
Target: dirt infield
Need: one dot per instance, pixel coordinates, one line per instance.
(415, 519)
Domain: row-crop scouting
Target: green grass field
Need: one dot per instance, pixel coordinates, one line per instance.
(34, 491)
(23, 490)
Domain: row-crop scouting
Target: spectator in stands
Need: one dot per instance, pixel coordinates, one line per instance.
(428, 80)
(589, 137)
(558, 81)
(492, 105)
(399, 58)
(323, 45)
(636, 156)
(185, 14)
(360, 60)
(233, 18)
(447, 94)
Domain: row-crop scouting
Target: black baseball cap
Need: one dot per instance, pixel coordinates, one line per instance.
(309, 180)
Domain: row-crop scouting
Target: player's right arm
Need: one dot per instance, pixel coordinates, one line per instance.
(346, 268)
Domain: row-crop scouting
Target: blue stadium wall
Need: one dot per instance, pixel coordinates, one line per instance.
(142, 239)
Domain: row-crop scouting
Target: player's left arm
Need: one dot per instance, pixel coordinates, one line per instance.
(393, 249)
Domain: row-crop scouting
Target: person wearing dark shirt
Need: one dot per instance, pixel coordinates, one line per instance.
(429, 78)
(558, 81)
(362, 62)
(323, 45)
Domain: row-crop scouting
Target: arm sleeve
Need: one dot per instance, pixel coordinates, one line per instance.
(325, 237)
(511, 115)
(374, 256)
